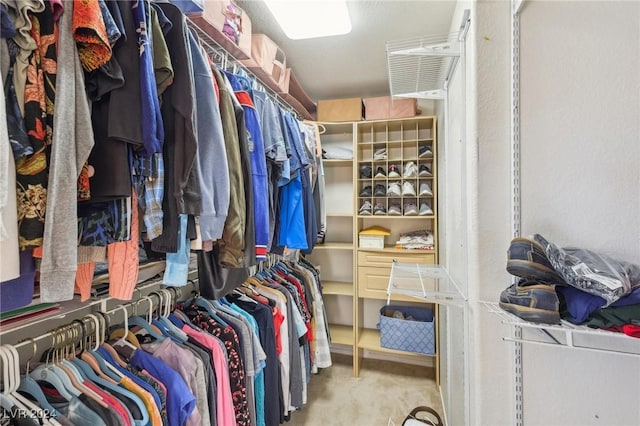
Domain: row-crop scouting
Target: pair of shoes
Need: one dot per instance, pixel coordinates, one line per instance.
(410, 170)
(424, 171)
(394, 209)
(379, 190)
(380, 173)
(393, 190)
(408, 190)
(380, 154)
(410, 209)
(425, 189)
(366, 191)
(365, 209)
(379, 209)
(532, 301)
(393, 171)
(527, 259)
(365, 172)
(425, 209)
(424, 150)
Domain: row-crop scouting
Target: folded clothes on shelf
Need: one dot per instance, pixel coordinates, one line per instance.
(337, 153)
(416, 240)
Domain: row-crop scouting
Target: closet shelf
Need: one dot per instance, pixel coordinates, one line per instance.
(229, 54)
(334, 246)
(337, 288)
(431, 283)
(341, 334)
(392, 249)
(370, 339)
(568, 335)
(336, 162)
(422, 67)
(75, 308)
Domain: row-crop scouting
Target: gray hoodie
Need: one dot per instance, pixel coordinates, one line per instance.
(70, 147)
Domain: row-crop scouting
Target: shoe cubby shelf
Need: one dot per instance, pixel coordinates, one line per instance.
(567, 335)
(355, 279)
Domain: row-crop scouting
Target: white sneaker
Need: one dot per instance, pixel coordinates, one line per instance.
(394, 190)
(425, 209)
(408, 189)
(410, 170)
(380, 154)
(425, 189)
(394, 210)
(365, 209)
(410, 209)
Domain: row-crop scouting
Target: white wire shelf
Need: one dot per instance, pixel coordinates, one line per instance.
(422, 67)
(568, 335)
(431, 283)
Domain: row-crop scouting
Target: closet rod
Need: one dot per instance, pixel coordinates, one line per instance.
(75, 309)
(214, 47)
(176, 293)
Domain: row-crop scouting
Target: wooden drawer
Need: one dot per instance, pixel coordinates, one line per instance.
(383, 259)
(373, 282)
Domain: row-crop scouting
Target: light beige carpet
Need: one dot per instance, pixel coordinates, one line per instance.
(385, 390)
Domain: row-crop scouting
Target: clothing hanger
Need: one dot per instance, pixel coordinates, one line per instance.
(30, 387)
(206, 304)
(146, 323)
(65, 368)
(89, 358)
(95, 359)
(108, 351)
(164, 322)
(122, 341)
(11, 380)
(47, 372)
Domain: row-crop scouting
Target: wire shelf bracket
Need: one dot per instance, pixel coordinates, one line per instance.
(568, 335)
(422, 67)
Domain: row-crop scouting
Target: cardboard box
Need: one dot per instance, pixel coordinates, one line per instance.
(212, 21)
(349, 109)
(267, 56)
(386, 107)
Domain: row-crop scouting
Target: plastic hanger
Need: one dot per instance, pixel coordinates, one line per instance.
(122, 341)
(89, 359)
(30, 387)
(20, 399)
(88, 356)
(206, 304)
(46, 373)
(113, 388)
(11, 382)
(171, 328)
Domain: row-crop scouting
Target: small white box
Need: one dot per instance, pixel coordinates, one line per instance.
(372, 241)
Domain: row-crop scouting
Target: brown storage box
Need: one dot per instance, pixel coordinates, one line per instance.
(349, 109)
(267, 56)
(212, 21)
(384, 107)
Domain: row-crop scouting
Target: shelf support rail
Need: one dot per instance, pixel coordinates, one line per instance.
(516, 6)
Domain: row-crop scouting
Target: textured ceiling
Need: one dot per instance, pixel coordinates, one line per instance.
(354, 65)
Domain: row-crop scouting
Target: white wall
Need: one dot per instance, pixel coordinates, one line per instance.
(580, 106)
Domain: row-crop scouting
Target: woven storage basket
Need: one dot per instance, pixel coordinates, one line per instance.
(416, 335)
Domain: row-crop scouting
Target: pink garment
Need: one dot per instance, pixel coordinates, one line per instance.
(84, 279)
(124, 260)
(225, 414)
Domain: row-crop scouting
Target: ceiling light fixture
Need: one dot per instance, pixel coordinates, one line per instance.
(301, 19)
